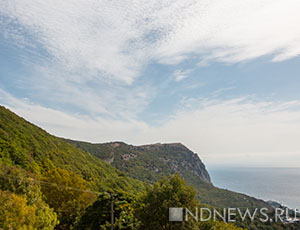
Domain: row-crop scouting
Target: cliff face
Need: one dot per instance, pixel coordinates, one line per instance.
(178, 158)
(150, 162)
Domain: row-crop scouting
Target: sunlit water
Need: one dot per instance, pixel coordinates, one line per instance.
(277, 184)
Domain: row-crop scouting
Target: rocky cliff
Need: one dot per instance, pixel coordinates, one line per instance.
(150, 162)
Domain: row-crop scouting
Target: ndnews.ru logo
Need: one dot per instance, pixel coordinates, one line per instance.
(230, 214)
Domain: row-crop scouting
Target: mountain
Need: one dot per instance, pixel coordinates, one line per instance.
(150, 163)
(127, 167)
(47, 182)
(29, 147)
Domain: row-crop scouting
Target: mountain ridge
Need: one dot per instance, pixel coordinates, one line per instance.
(125, 157)
(25, 145)
(164, 158)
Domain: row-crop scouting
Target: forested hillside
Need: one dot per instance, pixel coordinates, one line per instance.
(33, 149)
(150, 163)
(47, 183)
(40, 170)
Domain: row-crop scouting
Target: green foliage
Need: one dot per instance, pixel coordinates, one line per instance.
(15, 213)
(68, 194)
(98, 215)
(22, 206)
(172, 192)
(33, 149)
(43, 156)
(150, 162)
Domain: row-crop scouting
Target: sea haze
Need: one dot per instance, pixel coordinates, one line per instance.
(277, 184)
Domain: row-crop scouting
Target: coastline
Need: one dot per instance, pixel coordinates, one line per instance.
(276, 184)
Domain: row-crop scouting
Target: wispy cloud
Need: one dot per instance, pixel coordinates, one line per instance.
(103, 97)
(118, 38)
(73, 125)
(179, 75)
(238, 131)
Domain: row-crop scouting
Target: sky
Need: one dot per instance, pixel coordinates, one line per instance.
(221, 77)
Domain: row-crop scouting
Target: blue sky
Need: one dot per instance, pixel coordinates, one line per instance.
(220, 77)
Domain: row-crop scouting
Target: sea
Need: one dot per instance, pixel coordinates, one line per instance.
(277, 184)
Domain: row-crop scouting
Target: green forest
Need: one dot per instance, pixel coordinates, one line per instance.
(50, 183)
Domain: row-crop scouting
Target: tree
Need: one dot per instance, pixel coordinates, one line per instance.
(15, 213)
(98, 215)
(22, 206)
(167, 193)
(172, 192)
(68, 194)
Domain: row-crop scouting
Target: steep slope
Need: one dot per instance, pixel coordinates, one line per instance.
(33, 149)
(151, 162)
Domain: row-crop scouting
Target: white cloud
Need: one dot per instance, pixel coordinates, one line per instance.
(238, 131)
(118, 38)
(179, 75)
(74, 126)
(59, 90)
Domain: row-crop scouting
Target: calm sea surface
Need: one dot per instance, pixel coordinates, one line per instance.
(278, 184)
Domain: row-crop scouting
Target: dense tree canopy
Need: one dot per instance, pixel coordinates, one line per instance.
(172, 192)
(21, 202)
(68, 194)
